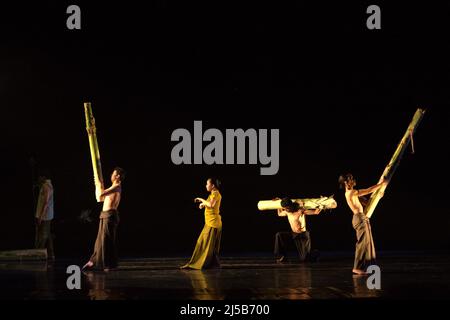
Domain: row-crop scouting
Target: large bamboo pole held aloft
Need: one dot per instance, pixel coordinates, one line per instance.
(395, 161)
(93, 144)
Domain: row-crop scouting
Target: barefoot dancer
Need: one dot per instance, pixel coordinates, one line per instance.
(365, 248)
(206, 252)
(105, 249)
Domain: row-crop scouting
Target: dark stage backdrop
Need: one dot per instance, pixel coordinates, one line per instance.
(341, 96)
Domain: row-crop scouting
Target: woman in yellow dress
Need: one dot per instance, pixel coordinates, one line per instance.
(206, 252)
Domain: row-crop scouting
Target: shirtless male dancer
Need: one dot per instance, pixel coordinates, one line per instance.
(295, 213)
(365, 248)
(105, 249)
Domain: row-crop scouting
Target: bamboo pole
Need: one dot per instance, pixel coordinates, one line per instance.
(19, 255)
(93, 145)
(395, 161)
(309, 203)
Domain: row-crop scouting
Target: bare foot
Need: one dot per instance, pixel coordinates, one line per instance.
(185, 267)
(90, 264)
(359, 272)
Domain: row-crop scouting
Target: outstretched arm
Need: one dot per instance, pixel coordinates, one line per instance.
(363, 192)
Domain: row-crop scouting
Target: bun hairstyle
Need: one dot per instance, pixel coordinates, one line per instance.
(216, 182)
(343, 178)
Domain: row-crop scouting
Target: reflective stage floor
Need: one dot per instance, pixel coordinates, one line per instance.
(403, 276)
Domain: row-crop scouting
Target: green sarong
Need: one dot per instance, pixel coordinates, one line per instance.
(206, 252)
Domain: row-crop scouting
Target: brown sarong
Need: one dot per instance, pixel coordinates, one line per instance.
(105, 249)
(365, 248)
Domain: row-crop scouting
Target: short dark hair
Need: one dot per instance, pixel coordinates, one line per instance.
(216, 182)
(343, 178)
(121, 173)
(44, 173)
(290, 205)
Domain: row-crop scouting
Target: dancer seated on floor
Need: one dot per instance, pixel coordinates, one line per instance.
(206, 252)
(105, 249)
(299, 235)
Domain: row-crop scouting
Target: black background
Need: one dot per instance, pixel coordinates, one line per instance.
(341, 95)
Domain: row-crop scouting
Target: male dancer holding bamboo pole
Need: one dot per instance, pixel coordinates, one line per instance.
(105, 249)
(365, 248)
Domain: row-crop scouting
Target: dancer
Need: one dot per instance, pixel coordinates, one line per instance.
(299, 235)
(365, 248)
(206, 252)
(44, 216)
(105, 249)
